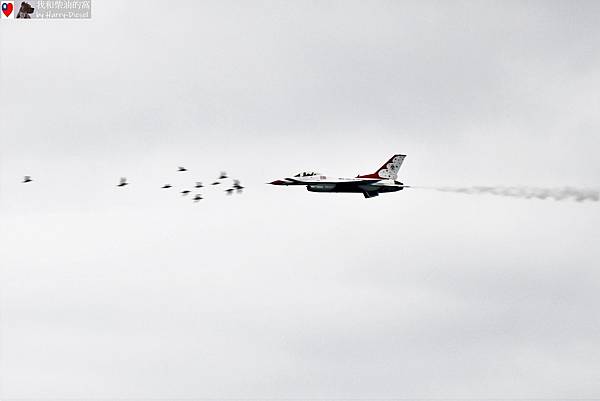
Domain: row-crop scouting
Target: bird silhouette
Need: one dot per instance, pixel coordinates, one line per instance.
(181, 169)
(185, 192)
(237, 186)
(166, 186)
(27, 179)
(123, 182)
(198, 197)
(198, 185)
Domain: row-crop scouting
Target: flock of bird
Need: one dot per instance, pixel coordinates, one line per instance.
(236, 187)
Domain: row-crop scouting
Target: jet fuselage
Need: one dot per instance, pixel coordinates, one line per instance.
(370, 185)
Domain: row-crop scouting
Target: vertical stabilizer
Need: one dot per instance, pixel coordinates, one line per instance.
(389, 171)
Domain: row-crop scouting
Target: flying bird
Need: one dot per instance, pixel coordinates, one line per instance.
(223, 175)
(167, 186)
(123, 182)
(237, 186)
(198, 185)
(185, 192)
(27, 179)
(181, 169)
(197, 198)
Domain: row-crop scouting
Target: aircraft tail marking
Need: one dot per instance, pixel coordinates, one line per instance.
(389, 170)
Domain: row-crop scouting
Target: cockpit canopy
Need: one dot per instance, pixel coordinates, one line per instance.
(306, 174)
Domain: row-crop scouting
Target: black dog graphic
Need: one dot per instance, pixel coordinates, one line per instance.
(25, 10)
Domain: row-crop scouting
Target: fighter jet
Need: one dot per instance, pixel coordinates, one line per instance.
(370, 185)
(123, 182)
(27, 179)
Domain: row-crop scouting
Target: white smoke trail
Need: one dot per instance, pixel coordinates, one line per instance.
(558, 194)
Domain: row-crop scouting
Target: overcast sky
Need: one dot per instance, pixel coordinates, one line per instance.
(279, 292)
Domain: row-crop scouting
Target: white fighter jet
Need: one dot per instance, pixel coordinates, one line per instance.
(370, 185)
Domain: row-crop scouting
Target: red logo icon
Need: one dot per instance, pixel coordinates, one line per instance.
(7, 8)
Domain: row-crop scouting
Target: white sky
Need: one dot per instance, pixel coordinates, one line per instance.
(281, 292)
